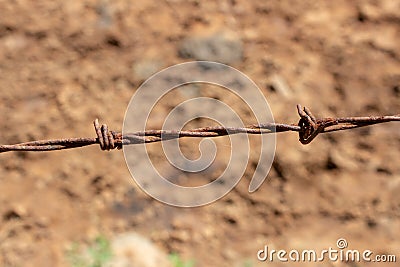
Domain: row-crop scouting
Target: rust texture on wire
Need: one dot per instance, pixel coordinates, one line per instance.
(308, 128)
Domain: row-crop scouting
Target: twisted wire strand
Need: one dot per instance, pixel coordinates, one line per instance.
(308, 128)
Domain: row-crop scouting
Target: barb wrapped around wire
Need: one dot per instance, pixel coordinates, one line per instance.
(308, 128)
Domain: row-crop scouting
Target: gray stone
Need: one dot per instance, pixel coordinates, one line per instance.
(224, 47)
(145, 68)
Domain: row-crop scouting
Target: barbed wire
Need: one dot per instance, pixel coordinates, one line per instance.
(308, 128)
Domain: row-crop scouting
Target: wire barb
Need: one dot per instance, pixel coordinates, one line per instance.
(105, 138)
(308, 128)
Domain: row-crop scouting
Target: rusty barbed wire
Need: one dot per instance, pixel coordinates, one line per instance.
(308, 128)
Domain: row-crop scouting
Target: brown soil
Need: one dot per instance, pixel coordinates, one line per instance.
(64, 63)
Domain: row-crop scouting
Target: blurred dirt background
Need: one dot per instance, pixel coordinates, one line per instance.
(64, 63)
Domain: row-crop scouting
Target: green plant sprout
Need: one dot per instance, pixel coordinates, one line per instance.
(177, 261)
(97, 255)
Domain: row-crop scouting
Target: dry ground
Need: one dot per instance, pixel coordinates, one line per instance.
(64, 63)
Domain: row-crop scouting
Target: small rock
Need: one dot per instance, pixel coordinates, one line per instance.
(16, 212)
(383, 9)
(131, 249)
(180, 236)
(279, 84)
(224, 47)
(340, 160)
